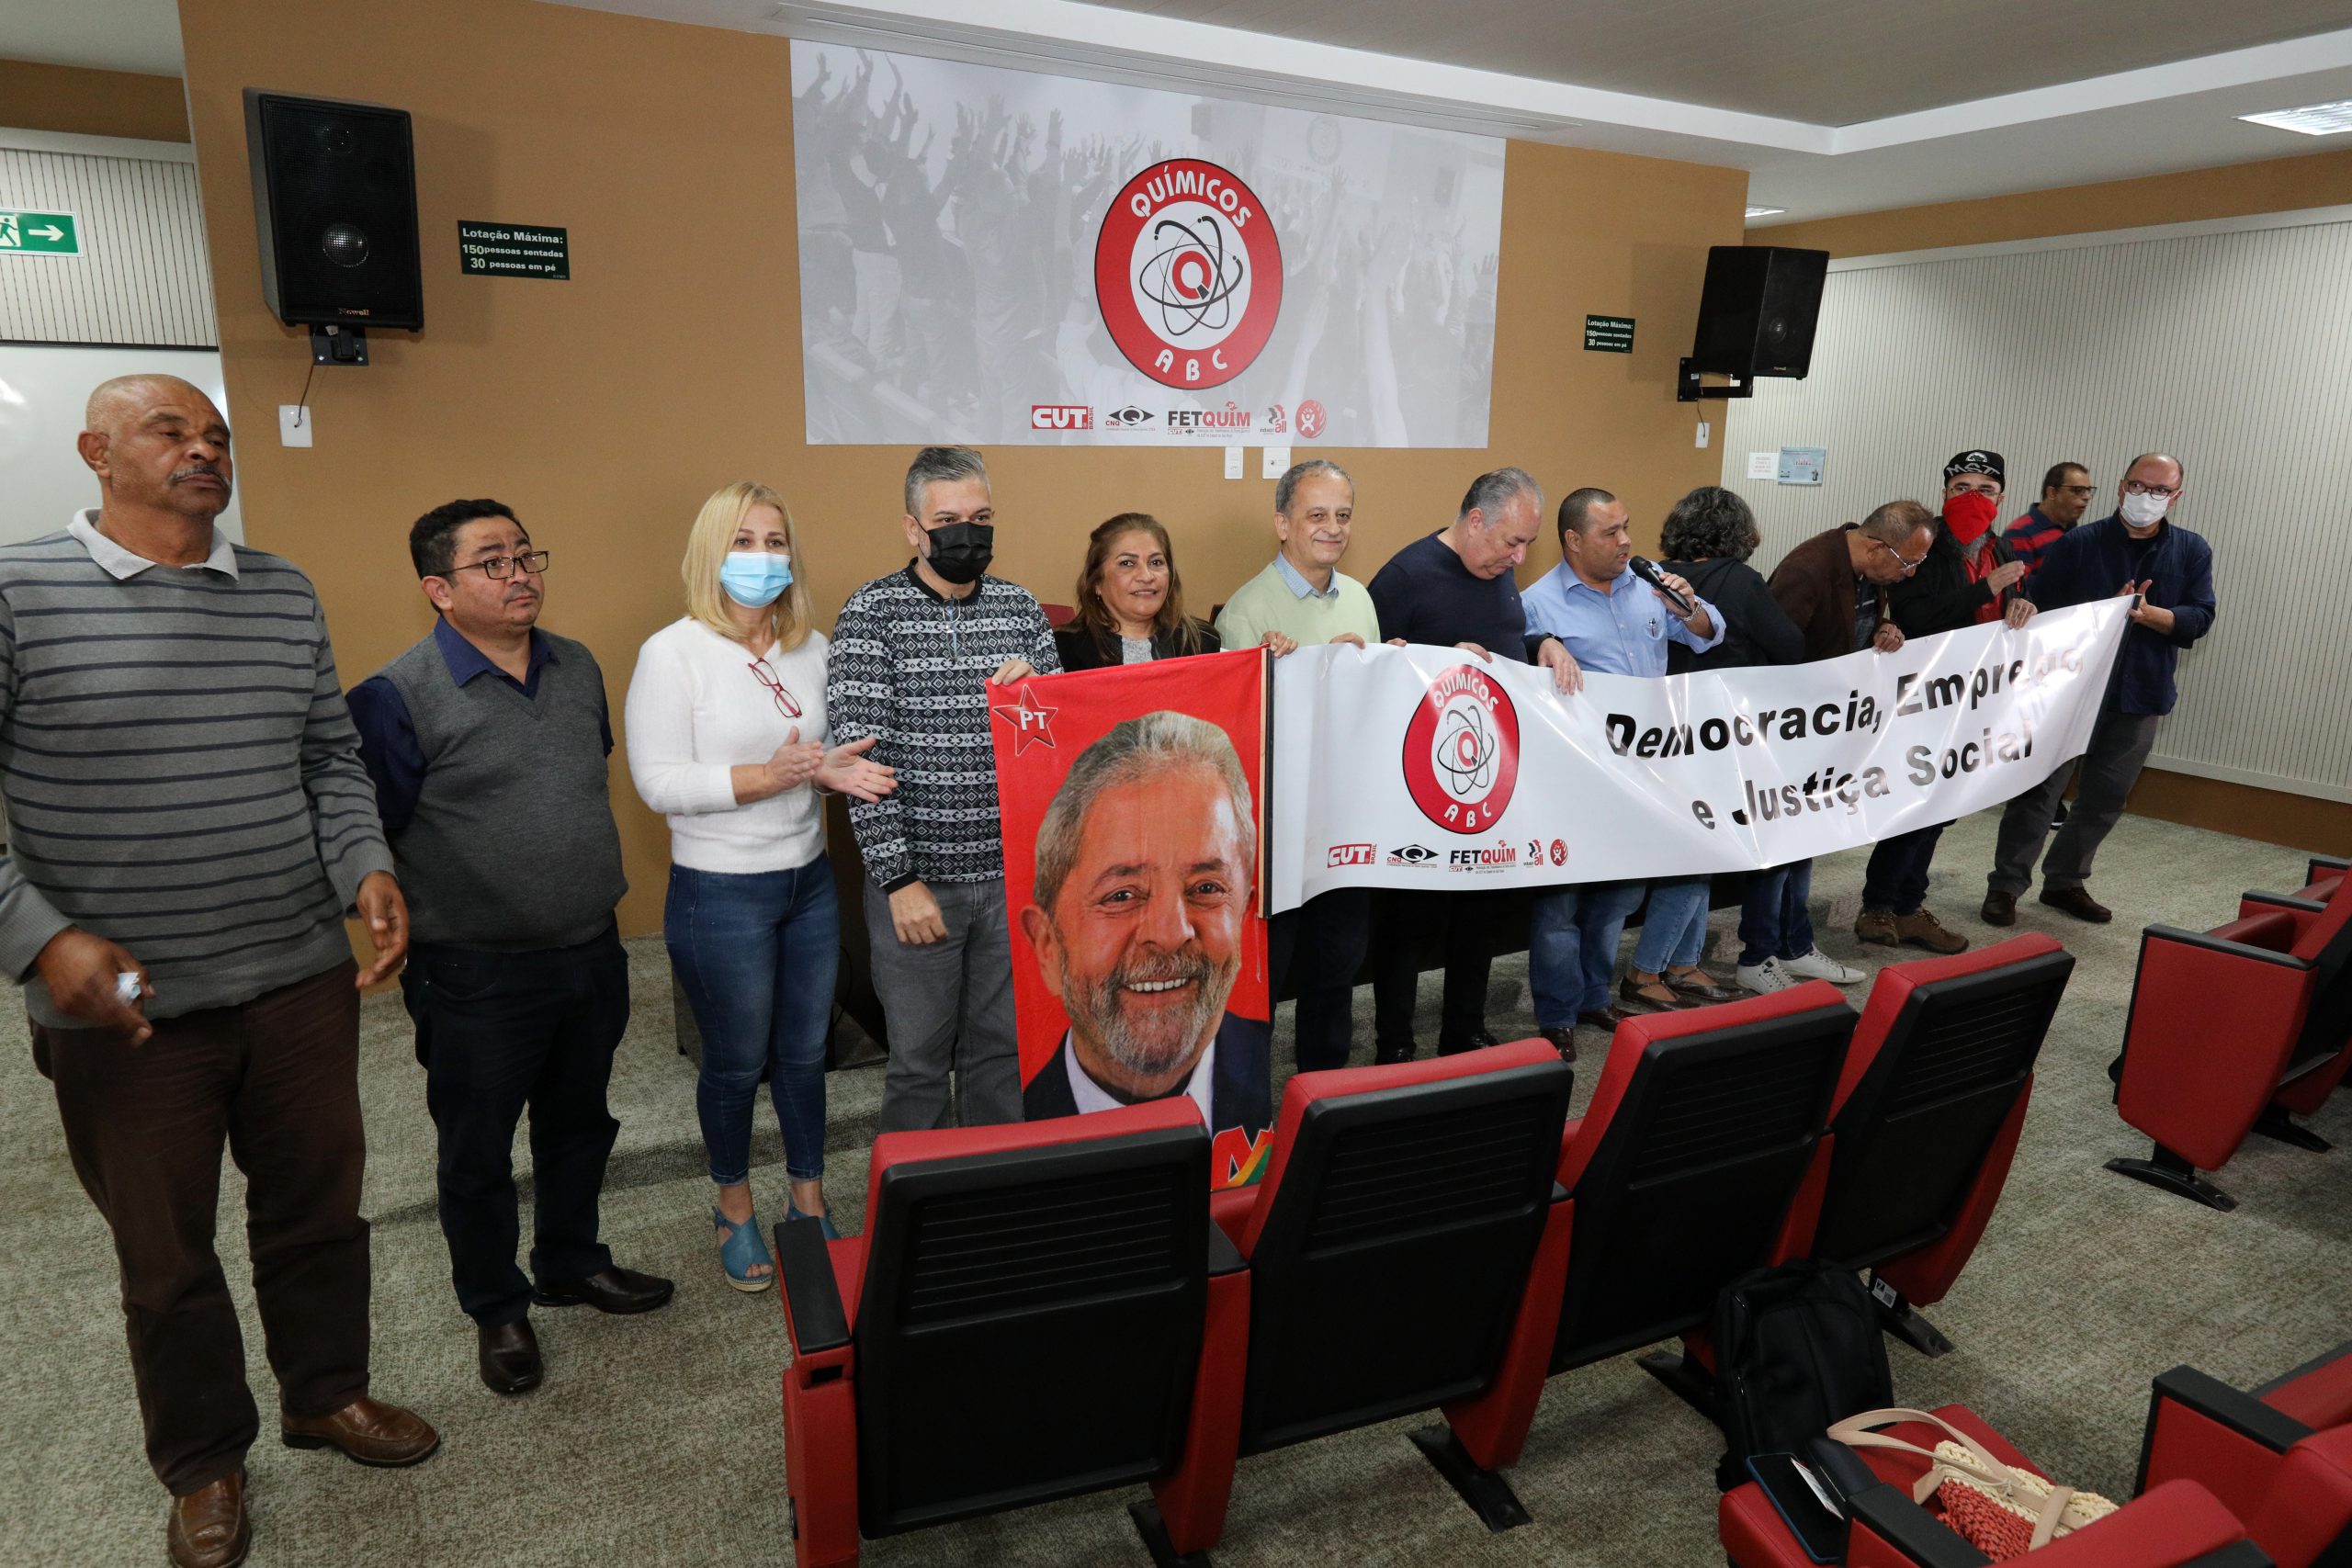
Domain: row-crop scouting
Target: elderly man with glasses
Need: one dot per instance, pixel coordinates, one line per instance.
(2168, 572)
(487, 742)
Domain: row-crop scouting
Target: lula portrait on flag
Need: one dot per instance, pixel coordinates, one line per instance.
(997, 256)
(1130, 798)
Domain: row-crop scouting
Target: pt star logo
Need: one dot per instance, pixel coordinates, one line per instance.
(1031, 723)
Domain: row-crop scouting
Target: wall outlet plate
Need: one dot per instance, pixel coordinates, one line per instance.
(294, 424)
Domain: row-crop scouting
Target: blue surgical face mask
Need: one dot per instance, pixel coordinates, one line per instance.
(755, 579)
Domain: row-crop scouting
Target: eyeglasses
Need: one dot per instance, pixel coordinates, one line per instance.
(1905, 562)
(498, 569)
(784, 704)
(2133, 487)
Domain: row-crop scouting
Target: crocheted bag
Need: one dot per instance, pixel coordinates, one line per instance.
(2003, 1513)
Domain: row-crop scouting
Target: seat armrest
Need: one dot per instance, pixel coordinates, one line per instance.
(1888, 1513)
(1223, 1257)
(1841, 1468)
(2319, 865)
(2235, 1410)
(812, 1297)
(2254, 901)
(2226, 947)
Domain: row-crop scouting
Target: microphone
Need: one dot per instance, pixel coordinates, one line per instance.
(1647, 571)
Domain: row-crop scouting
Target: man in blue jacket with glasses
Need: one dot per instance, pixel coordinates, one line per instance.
(2168, 572)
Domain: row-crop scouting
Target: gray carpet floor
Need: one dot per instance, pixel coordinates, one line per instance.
(657, 1440)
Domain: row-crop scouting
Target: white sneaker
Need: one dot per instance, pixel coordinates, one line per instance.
(1816, 964)
(1764, 978)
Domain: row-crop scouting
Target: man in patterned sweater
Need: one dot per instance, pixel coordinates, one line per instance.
(909, 656)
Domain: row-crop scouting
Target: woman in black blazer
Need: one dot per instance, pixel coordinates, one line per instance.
(1130, 601)
(1707, 540)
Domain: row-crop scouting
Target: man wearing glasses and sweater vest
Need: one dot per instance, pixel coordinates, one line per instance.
(487, 742)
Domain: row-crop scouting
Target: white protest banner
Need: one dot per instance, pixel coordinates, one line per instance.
(1003, 256)
(1426, 767)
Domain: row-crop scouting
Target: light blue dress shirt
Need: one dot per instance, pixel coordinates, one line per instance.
(1621, 632)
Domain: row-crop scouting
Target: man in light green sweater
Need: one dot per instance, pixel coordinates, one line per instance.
(1303, 594)
(1304, 597)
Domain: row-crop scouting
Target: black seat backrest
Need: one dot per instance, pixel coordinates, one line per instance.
(1911, 1137)
(1030, 1325)
(1396, 1252)
(1693, 1176)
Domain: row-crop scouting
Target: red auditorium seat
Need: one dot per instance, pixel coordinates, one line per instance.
(1023, 1319)
(2279, 1458)
(1926, 1117)
(2176, 1525)
(1405, 1254)
(2234, 1029)
(1680, 1176)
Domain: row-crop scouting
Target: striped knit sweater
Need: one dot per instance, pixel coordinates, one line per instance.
(910, 667)
(182, 776)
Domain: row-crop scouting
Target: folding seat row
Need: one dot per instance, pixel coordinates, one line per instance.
(1040, 1311)
(2226, 1480)
(2237, 1030)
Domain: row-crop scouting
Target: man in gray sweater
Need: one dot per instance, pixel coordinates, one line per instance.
(487, 743)
(190, 823)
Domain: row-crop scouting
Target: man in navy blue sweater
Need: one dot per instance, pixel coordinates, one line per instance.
(2168, 572)
(1455, 588)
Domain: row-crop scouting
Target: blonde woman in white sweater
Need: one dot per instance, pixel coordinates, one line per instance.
(727, 739)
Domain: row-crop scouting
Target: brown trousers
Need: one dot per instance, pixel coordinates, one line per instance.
(275, 1080)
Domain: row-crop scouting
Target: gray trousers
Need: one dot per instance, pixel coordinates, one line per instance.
(949, 1007)
(2119, 744)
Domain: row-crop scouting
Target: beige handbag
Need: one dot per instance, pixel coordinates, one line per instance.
(2002, 1512)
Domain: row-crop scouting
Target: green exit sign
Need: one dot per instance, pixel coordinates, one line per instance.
(1609, 335)
(31, 233)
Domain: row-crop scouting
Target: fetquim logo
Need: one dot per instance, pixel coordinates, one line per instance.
(1188, 273)
(1460, 753)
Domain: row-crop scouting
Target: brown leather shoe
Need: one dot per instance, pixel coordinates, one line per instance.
(1921, 929)
(1563, 1041)
(367, 1431)
(1647, 996)
(2077, 902)
(1877, 926)
(1697, 986)
(2000, 908)
(210, 1527)
(1604, 1019)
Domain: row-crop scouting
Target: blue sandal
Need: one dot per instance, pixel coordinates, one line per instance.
(824, 1218)
(743, 1251)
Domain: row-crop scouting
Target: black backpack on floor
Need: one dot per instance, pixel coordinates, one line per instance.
(1797, 1348)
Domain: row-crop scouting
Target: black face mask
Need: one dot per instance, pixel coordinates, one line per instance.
(961, 551)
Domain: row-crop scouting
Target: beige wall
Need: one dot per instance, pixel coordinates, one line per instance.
(2279, 184)
(604, 408)
(91, 103)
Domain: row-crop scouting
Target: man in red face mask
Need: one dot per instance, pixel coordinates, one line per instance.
(1971, 575)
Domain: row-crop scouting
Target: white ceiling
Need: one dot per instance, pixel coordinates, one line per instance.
(1833, 105)
(109, 35)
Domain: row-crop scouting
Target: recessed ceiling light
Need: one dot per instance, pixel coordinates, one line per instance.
(1765, 212)
(2311, 119)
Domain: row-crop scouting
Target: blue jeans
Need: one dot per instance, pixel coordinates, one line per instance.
(1674, 932)
(756, 955)
(1776, 920)
(1572, 948)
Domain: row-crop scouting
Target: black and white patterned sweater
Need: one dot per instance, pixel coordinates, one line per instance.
(911, 668)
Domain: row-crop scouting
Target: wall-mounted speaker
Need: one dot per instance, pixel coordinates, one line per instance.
(335, 203)
(1758, 310)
